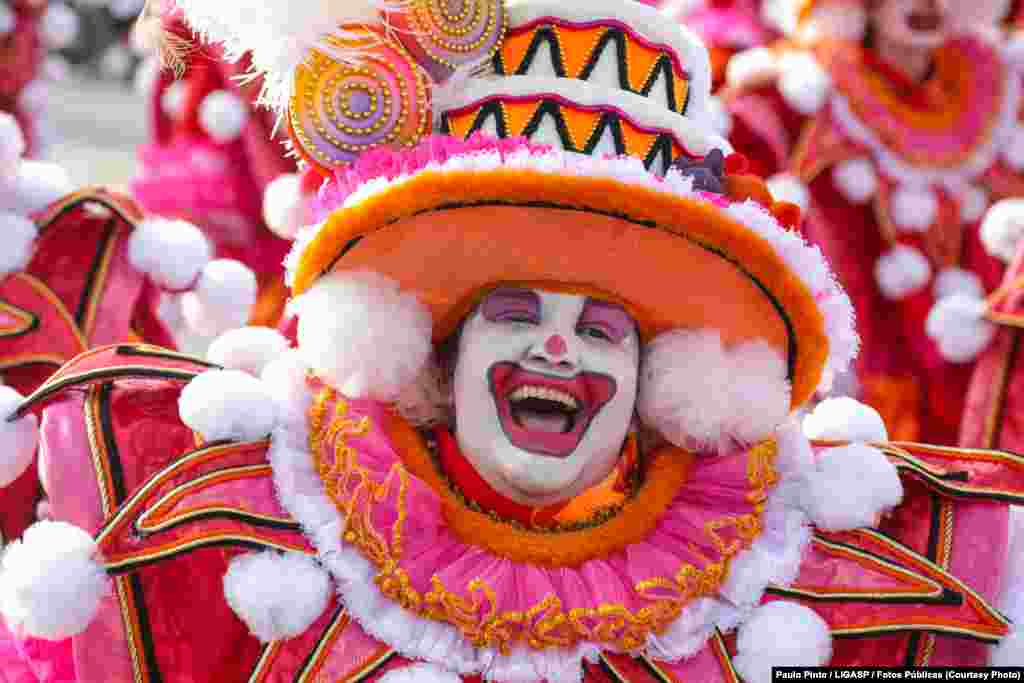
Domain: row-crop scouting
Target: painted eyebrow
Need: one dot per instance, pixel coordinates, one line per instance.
(493, 302)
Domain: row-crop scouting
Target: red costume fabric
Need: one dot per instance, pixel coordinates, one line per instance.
(21, 59)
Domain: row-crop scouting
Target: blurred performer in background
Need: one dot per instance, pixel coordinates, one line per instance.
(29, 29)
(213, 158)
(895, 124)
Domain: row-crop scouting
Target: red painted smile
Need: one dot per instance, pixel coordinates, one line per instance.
(547, 415)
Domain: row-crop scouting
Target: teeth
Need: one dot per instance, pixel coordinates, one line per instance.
(545, 393)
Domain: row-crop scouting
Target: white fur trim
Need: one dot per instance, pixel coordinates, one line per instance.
(228, 404)
(1010, 651)
(958, 327)
(718, 116)
(952, 281)
(914, 209)
(786, 187)
(902, 271)
(781, 634)
(52, 582)
(698, 394)
(1013, 51)
(892, 165)
(1013, 151)
(803, 83)
(363, 335)
(276, 595)
(171, 252)
(845, 419)
(248, 349)
(18, 439)
(19, 236)
(282, 205)
(12, 145)
(223, 298)
(172, 100)
(223, 115)
(850, 486)
(279, 33)
(420, 673)
(1002, 229)
(752, 68)
(35, 185)
(691, 132)
(59, 26)
(646, 21)
(856, 179)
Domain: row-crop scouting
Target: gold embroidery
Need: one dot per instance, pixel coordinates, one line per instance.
(475, 611)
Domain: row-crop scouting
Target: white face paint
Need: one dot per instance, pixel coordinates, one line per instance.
(922, 24)
(545, 390)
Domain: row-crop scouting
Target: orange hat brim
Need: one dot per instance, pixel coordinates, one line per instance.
(673, 262)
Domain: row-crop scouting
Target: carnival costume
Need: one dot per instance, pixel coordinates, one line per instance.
(320, 513)
(212, 157)
(83, 269)
(895, 177)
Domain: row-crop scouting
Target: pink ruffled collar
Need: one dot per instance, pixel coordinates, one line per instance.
(417, 582)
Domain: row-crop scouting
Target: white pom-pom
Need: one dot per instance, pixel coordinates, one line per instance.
(172, 100)
(902, 271)
(282, 205)
(952, 281)
(52, 583)
(850, 486)
(59, 26)
(172, 253)
(786, 187)
(845, 419)
(7, 19)
(12, 145)
(35, 185)
(277, 596)
(222, 299)
(363, 335)
(958, 327)
(914, 209)
(803, 83)
(19, 235)
(1002, 229)
(856, 179)
(248, 349)
(228, 404)
(752, 68)
(781, 634)
(420, 673)
(223, 115)
(18, 439)
(1013, 149)
(698, 394)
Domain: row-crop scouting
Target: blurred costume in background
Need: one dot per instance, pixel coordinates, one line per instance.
(29, 29)
(896, 129)
(214, 161)
(540, 422)
(80, 269)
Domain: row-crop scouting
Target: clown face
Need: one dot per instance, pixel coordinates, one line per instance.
(545, 389)
(922, 24)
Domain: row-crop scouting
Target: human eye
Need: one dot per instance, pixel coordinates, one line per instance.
(594, 332)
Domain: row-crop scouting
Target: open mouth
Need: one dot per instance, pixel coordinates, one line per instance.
(924, 22)
(547, 415)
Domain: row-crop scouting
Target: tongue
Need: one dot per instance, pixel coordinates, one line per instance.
(543, 422)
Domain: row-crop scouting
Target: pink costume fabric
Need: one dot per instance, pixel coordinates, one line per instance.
(880, 137)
